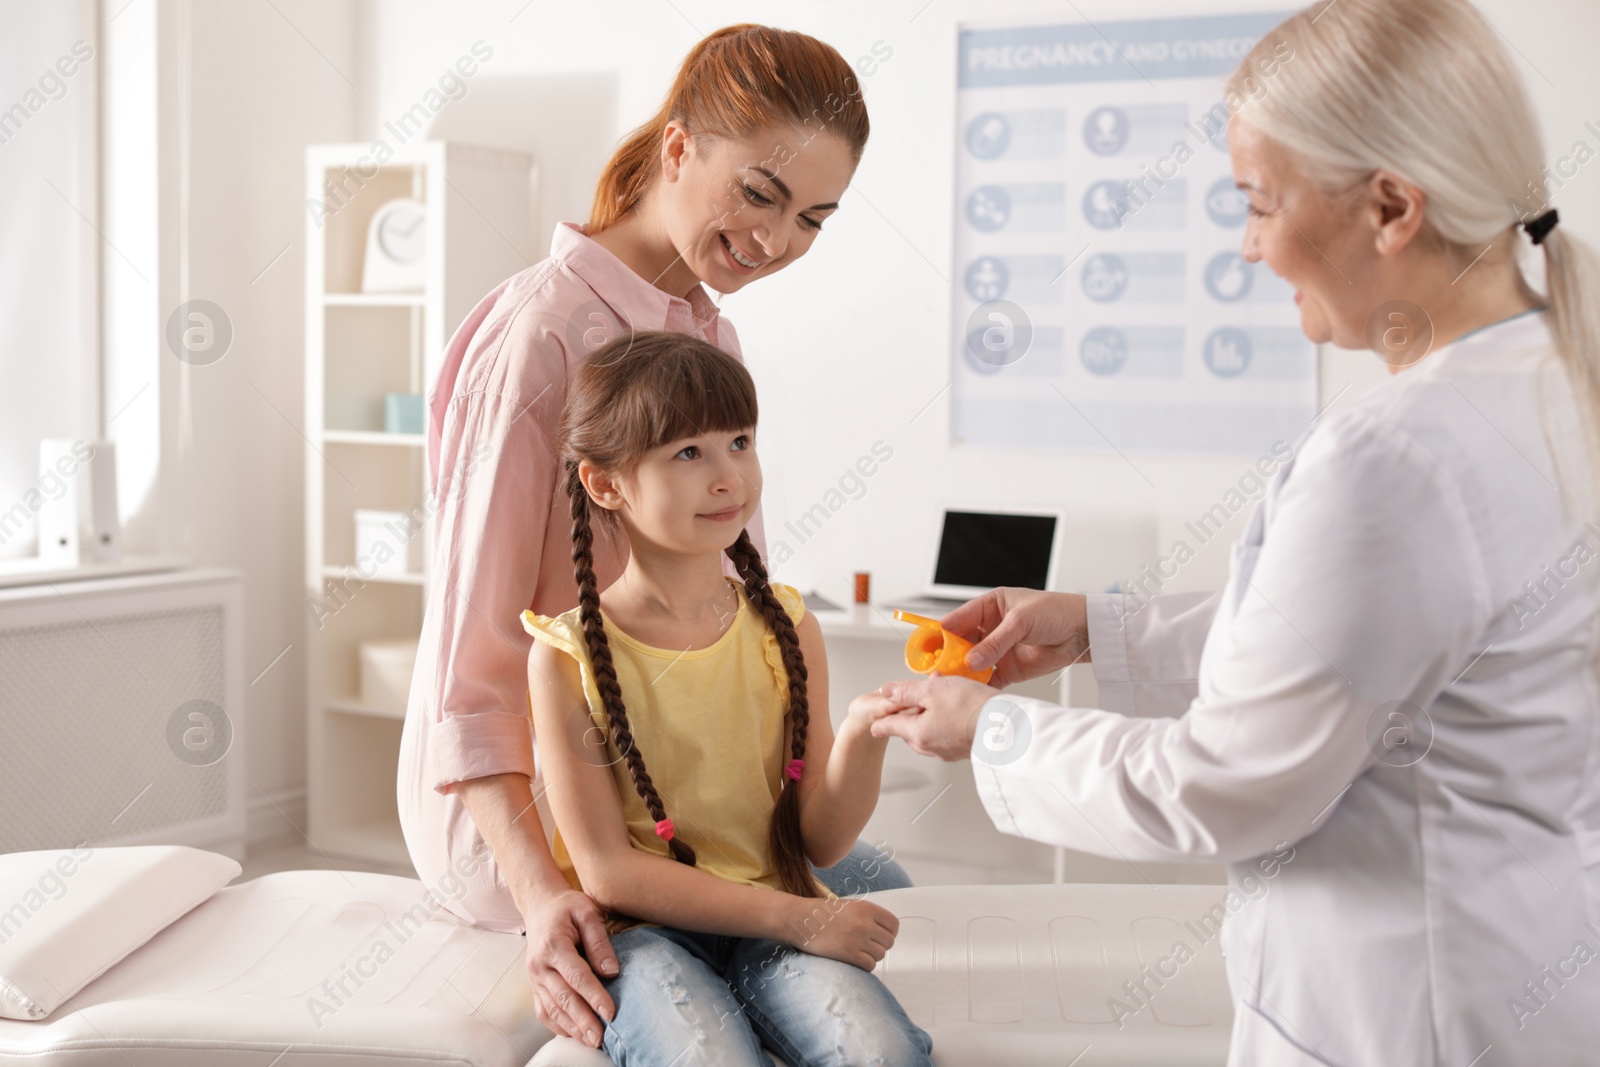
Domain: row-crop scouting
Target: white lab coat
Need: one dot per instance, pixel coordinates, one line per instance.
(1401, 911)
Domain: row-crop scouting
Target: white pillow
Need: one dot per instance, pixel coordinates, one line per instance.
(69, 915)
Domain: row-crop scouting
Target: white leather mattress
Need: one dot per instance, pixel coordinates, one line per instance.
(318, 968)
(240, 980)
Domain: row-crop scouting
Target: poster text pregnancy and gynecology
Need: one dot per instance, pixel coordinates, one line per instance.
(1100, 299)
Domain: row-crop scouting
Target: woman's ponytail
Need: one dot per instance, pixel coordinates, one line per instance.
(628, 174)
(1572, 279)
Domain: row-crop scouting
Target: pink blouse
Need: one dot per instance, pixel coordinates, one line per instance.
(503, 541)
(502, 532)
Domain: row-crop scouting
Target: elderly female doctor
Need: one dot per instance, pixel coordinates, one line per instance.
(1399, 679)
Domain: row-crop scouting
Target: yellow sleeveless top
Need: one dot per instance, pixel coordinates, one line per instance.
(712, 726)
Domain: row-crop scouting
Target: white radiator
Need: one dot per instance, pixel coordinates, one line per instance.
(122, 712)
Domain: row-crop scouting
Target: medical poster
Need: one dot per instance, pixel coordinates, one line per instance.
(1101, 303)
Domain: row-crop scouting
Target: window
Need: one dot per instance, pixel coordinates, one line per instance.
(49, 248)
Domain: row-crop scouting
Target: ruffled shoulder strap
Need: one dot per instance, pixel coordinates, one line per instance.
(795, 605)
(565, 633)
(559, 631)
(792, 601)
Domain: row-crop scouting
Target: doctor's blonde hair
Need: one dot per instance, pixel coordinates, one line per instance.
(735, 83)
(637, 393)
(1426, 90)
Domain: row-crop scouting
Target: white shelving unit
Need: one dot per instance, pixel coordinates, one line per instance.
(481, 227)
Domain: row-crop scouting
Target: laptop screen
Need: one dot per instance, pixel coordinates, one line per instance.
(986, 549)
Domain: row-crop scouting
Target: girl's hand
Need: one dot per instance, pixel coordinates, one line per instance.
(851, 931)
(868, 708)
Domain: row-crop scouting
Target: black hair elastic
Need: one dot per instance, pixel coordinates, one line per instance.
(1540, 227)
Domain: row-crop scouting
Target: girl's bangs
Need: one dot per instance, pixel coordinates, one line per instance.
(695, 394)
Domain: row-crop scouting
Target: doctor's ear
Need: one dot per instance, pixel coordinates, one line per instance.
(602, 486)
(1396, 208)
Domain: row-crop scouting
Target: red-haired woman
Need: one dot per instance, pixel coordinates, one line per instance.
(730, 181)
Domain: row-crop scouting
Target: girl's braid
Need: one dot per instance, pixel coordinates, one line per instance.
(787, 841)
(605, 672)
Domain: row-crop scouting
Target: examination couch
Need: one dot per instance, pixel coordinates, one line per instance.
(148, 957)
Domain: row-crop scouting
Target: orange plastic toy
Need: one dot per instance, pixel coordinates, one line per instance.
(933, 648)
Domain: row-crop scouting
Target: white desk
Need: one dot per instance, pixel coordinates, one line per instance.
(867, 621)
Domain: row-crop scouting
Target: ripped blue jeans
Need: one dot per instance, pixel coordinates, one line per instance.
(686, 998)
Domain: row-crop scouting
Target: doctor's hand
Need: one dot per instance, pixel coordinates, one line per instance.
(1025, 632)
(937, 715)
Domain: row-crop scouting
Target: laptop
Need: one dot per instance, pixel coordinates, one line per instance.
(980, 549)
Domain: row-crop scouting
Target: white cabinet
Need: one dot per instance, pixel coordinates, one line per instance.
(122, 705)
(479, 230)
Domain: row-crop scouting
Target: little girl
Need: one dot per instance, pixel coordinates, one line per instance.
(685, 740)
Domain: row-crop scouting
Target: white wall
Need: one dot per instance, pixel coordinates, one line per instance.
(259, 82)
(849, 345)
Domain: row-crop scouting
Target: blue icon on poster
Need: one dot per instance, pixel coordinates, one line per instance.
(989, 135)
(987, 278)
(1105, 205)
(1227, 204)
(1105, 131)
(989, 208)
(1105, 277)
(1227, 352)
(1228, 277)
(1104, 350)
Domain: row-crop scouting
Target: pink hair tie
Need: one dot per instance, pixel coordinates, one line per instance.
(794, 768)
(665, 829)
